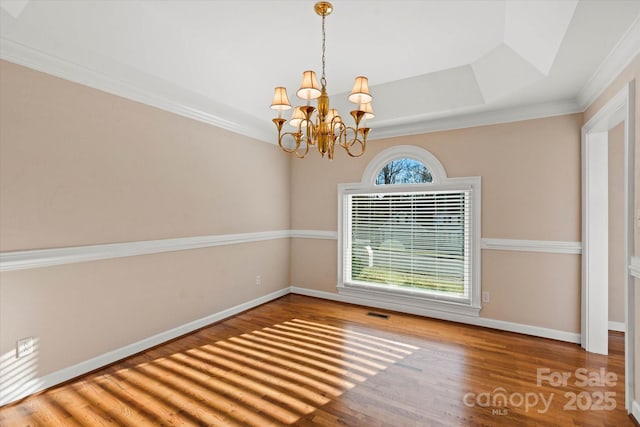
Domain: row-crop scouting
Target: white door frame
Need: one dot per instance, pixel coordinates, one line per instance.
(594, 313)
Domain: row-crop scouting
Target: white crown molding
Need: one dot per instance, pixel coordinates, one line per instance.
(626, 49)
(520, 328)
(35, 59)
(57, 256)
(26, 388)
(555, 247)
(634, 267)
(622, 54)
(41, 61)
(480, 118)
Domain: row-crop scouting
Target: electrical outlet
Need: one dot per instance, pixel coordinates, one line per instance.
(24, 347)
(486, 297)
(258, 280)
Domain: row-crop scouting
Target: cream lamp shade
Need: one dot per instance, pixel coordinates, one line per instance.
(280, 99)
(309, 88)
(360, 92)
(368, 110)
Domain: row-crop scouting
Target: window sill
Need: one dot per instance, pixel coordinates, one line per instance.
(409, 301)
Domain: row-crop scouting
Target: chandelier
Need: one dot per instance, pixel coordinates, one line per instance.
(325, 127)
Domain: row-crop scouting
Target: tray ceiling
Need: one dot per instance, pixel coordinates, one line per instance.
(431, 64)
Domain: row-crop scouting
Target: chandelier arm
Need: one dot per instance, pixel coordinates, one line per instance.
(360, 152)
(306, 138)
(302, 138)
(302, 155)
(310, 132)
(337, 129)
(296, 137)
(343, 137)
(348, 144)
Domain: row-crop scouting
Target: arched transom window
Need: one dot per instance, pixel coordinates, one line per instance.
(404, 171)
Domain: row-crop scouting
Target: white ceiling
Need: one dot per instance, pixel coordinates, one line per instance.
(431, 64)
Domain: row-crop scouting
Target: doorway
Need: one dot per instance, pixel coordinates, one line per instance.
(595, 228)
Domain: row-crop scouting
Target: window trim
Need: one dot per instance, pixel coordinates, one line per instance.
(405, 298)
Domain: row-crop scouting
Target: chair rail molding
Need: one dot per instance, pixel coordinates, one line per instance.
(634, 266)
(57, 256)
(548, 246)
(37, 258)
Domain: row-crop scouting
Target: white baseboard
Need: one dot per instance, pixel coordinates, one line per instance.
(616, 326)
(635, 410)
(38, 384)
(537, 331)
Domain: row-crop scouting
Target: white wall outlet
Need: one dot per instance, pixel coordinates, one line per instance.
(486, 297)
(25, 347)
(258, 280)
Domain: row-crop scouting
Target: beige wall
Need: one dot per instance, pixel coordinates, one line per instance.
(530, 190)
(617, 274)
(79, 166)
(80, 311)
(530, 176)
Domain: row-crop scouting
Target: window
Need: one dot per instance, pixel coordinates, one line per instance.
(409, 233)
(403, 171)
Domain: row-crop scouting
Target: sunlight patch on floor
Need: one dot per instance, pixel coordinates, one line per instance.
(269, 377)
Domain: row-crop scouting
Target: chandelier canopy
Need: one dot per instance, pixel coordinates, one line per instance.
(321, 125)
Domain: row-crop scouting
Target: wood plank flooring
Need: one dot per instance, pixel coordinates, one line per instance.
(308, 362)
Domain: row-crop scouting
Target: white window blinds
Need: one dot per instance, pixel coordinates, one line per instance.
(419, 241)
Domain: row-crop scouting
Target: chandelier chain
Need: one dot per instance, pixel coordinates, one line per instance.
(323, 79)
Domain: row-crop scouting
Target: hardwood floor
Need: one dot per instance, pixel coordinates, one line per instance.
(309, 362)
